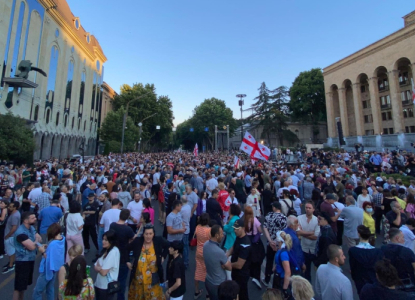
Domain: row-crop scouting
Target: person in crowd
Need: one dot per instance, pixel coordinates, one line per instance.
(216, 262)
(325, 239)
(275, 221)
(362, 259)
(74, 226)
(27, 244)
(149, 252)
(12, 224)
(410, 206)
(368, 220)
(214, 209)
(176, 272)
(309, 231)
(185, 212)
(402, 258)
(234, 213)
(363, 197)
(192, 200)
(90, 213)
(408, 234)
(52, 260)
(272, 294)
(202, 234)
(326, 207)
(353, 217)
(285, 265)
(385, 287)
(377, 196)
(49, 215)
(124, 235)
(174, 222)
(3, 221)
(331, 283)
(292, 227)
(110, 216)
(396, 216)
(301, 288)
(228, 290)
(253, 230)
(267, 199)
(136, 208)
(107, 266)
(147, 208)
(124, 195)
(78, 285)
(73, 252)
(253, 200)
(241, 258)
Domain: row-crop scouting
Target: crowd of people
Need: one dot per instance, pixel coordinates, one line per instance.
(301, 218)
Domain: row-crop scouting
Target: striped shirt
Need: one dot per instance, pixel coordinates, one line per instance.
(377, 199)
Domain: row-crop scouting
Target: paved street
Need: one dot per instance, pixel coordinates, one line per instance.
(7, 280)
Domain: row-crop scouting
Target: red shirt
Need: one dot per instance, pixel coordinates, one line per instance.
(223, 195)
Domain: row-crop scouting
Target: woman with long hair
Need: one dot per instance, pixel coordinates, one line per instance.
(301, 288)
(148, 209)
(202, 233)
(73, 252)
(234, 213)
(78, 285)
(410, 206)
(74, 226)
(107, 266)
(253, 231)
(144, 220)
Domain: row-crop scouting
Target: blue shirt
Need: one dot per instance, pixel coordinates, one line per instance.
(296, 249)
(85, 194)
(49, 215)
(282, 255)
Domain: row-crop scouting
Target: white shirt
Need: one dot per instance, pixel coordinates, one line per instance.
(156, 177)
(308, 245)
(64, 202)
(73, 222)
(35, 193)
(136, 208)
(110, 216)
(211, 184)
(409, 237)
(111, 263)
(297, 206)
(339, 206)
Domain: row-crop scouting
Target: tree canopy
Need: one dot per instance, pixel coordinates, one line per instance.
(308, 102)
(17, 141)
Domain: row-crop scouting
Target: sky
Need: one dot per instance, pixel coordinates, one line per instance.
(192, 50)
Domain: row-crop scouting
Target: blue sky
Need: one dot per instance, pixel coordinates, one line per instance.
(196, 49)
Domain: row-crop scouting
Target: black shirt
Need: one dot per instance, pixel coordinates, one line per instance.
(401, 258)
(25, 205)
(124, 233)
(91, 220)
(176, 270)
(242, 249)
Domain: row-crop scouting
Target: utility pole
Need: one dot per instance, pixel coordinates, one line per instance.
(216, 137)
(241, 103)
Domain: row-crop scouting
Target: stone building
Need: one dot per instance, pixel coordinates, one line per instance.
(106, 106)
(370, 91)
(65, 107)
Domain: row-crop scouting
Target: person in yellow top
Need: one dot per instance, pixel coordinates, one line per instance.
(401, 202)
(368, 220)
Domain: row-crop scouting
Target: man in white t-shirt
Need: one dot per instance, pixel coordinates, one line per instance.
(211, 184)
(111, 215)
(136, 208)
(36, 192)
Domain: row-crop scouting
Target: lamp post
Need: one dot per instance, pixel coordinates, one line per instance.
(124, 121)
(241, 103)
(141, 129)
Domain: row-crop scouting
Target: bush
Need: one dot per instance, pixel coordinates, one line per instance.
(405, 179)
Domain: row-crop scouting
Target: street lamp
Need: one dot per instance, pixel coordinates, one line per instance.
(241, 103)
(125, 120)
(141, 129)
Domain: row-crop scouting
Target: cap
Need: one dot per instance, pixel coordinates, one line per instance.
(238, 224)
(330, 197)
(91, 195)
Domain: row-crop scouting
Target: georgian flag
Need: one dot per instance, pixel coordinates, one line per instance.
(413, 92)
(250, 146)
(196, 150)
(236, 162)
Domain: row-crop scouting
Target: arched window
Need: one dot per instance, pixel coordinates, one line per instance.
(57, 118)
(36, 115)
(68, 92)
(65, 121)
(47, 116)
(53, 70)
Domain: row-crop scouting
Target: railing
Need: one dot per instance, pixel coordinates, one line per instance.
(385, 106)
(406, 102)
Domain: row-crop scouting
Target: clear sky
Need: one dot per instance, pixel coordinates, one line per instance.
(196, 49)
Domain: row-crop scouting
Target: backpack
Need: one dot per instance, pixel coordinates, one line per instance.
(160, 195)
(291, 210)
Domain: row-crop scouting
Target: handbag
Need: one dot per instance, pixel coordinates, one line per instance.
(193, 241)
(113, 286)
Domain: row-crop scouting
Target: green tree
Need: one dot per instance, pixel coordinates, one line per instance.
(111, 131)
(308, 102)
(17, 141)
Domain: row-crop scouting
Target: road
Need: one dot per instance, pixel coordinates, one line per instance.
(7, 280)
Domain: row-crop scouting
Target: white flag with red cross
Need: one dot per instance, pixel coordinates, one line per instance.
(250, 146)
(236, 162)
(196, 150)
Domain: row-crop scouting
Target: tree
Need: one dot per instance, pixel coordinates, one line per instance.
(111, 131)
(17, 141)
(308, 102)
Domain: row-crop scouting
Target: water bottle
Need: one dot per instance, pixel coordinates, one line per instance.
(88, 271)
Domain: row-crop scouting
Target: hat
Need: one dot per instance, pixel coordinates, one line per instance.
(330, 197)
(91, 195)
(238, 224)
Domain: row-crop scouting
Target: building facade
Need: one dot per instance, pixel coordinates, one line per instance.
(64, 108)
(370, 92)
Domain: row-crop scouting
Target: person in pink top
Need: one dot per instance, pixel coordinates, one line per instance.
(149, 209)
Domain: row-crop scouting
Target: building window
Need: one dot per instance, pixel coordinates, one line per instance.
(403, 78)
(368, 119)
(36, 115)
(408, 95)
(389, 115)
(366, 104)
(385, 130)
(79, 123)
(386, 116)
(65, 122)
(73, 122)
(53, 70)
(84, 125)
(383, 84)
(47, 116)
(68, 92)
(390, 130)
(370, 132)
(408, 113)
(362, 88)
(412, 128)
(57, 118)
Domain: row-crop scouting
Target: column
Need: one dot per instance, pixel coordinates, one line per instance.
(396, 101)
(358, 109)
(331, 122)
(343, 112)
(374, 102)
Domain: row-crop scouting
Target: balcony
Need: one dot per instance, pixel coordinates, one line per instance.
(385, 106)
(404, 82)
(383, 88)
(406, 102)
